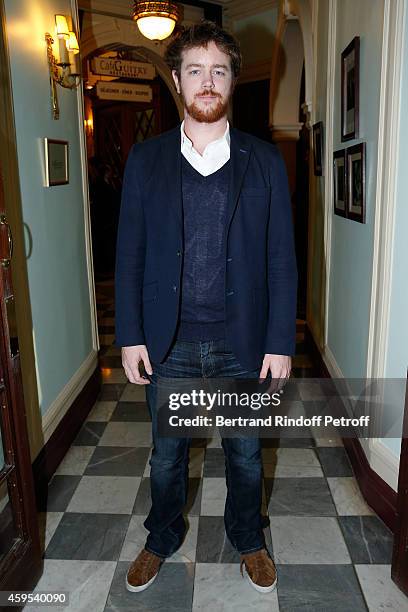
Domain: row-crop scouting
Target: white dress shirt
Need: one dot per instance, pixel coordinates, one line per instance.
(214, 156)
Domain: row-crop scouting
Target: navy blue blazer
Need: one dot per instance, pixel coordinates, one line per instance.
(260, 263)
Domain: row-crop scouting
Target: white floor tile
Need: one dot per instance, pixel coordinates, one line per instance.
(308, 540)
(221, 588)
(102, 411)
(291, 463)
(213, 496)
(347, 496)
(121, 433)
(48, 523)
(75, 461)
(86, 583)
(133, 393)
(380, 591)
(106, 494)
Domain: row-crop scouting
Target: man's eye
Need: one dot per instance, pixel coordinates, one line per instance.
(194, 71)
(219, 72)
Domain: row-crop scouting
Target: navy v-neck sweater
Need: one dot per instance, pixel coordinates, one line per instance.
(202, 316)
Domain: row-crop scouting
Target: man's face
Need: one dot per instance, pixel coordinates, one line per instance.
(205, 82)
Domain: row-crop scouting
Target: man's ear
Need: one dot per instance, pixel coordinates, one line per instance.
(176, 80)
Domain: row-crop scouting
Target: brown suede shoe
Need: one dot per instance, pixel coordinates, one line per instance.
(260, 570)
(143, 571)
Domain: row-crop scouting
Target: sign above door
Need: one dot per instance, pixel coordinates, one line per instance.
(111, 66)
(124, 91)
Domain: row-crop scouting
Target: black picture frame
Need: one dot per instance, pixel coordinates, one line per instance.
(340, 183)
(350, 90)
(318, 151)
(356, 182)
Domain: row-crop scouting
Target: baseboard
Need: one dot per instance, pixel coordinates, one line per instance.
(66, 397)
(62, 437)
(315, 353)
(378, 494)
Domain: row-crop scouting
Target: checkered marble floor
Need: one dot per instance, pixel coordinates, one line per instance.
(331, 551)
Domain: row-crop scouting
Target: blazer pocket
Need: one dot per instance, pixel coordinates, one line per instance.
(255, 192)
(149, 292)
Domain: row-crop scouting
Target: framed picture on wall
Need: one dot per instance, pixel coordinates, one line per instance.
(356, 182)
(339, 183)
(350, 90)
(318, 148)
(56, 162)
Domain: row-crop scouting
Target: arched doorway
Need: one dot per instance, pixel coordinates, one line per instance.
(112, 125)
(290, 108)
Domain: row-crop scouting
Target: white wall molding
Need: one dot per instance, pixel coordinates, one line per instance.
(87, 208)
(285, 132)
(383, 461)
(328, 164)
(67, 395)
(328, 358)
(387, 167)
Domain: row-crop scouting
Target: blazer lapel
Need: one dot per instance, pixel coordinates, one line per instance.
(171, 156)
(240, 154)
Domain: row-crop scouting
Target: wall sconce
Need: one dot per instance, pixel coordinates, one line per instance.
(89, 126)
(66, 69)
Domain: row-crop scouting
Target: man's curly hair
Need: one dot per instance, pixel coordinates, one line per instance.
(199, 35)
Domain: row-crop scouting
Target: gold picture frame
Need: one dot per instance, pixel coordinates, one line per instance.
(56, 162)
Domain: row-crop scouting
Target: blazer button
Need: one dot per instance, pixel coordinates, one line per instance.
(230, 293)
(175, 288)
(178, 253)
(229, 259)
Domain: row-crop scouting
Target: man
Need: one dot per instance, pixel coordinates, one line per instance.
(205, 286)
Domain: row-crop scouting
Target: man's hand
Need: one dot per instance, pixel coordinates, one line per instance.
(131, 357)
(279, 366)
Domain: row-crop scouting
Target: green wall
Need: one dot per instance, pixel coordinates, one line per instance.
(53, 217)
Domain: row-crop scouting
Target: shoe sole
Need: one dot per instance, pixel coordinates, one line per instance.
(257, 587)
(142, 587)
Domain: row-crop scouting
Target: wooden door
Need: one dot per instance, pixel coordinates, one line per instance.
(119, 125)
(20, 553)
(399, 568)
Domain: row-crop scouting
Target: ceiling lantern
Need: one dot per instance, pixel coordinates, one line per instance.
(156, 20)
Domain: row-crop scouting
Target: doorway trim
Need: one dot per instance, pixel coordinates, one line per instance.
(118, 31)
(12, 197)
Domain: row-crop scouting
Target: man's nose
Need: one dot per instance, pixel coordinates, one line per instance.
(208, 80)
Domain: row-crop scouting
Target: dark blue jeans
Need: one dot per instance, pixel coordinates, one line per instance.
(169, 461)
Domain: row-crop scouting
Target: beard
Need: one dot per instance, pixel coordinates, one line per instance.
(210, 114)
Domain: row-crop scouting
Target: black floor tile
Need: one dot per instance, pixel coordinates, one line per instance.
(131, 411)
(90, 433)
(214, 463)
(319, 588)
(117, 461)
(60, 491)
(334, 461)
(110, 361)
(96, 537)
(111, 392)
(172, 591)
(299, 497)
(367, 538)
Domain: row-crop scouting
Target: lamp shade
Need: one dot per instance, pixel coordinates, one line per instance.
(61, 26)
(72, 43)
(156, 28)
(156, 20)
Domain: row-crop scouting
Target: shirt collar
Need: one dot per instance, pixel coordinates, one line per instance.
(224, 139)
